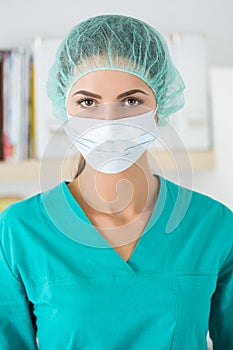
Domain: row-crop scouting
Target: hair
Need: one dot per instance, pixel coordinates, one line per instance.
(81, 166)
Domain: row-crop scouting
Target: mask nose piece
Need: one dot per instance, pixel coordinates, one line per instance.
(109, 111)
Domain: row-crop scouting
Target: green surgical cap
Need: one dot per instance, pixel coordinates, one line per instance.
(116, 42)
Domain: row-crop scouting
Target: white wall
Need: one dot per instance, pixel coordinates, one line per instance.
(217, 182)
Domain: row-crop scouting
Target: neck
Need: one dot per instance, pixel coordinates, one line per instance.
(124, 194)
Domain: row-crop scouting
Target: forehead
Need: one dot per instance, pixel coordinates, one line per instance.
(99, 71)
(109, 79)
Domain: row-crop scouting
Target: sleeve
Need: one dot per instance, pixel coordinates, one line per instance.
(16, 317)
(221, 314)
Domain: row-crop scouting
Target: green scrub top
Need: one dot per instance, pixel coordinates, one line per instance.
(63, 287)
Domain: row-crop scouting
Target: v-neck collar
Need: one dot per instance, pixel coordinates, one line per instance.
(68, 216)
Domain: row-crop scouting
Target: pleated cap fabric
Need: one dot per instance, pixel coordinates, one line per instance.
(116, 42)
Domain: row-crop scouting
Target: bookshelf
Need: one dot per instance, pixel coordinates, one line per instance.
(29, 170)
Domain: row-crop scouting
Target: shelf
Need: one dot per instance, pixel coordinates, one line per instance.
(35, 170)
(182, 161)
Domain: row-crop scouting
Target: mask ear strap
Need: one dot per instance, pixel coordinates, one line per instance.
(155, 114)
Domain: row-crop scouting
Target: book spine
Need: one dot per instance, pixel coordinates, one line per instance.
(7, 146)
(1, 105)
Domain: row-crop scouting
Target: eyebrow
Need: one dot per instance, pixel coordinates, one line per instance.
(91, 94)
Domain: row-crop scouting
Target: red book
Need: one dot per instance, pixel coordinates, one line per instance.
(1, 106)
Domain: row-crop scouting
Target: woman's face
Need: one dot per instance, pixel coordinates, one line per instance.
(110, 92)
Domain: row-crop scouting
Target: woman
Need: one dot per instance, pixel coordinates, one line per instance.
(91, 263)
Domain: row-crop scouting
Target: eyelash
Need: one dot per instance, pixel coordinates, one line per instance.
(89, 99)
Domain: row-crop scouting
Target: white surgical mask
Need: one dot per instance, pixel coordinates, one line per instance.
(111, 146)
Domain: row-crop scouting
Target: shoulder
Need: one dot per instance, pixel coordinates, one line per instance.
(200, 215)
(197, 200)
(23, 215)
(18, 219)
(201, 219)
(20, 209)
(200, 210)
(29, 208)
(28, 215)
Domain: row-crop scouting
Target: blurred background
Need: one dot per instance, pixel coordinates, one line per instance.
(199, 34)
